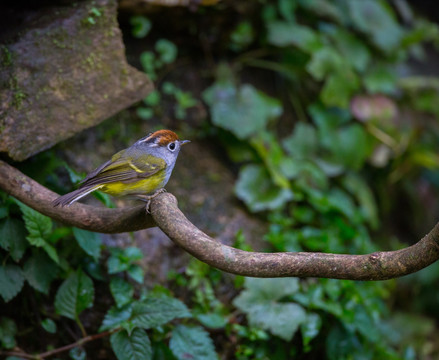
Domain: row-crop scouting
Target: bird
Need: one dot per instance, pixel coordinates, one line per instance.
(140, 171)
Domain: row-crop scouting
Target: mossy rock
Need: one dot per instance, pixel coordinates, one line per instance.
(61, 72)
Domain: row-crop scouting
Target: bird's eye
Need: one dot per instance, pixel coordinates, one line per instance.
(171, 146)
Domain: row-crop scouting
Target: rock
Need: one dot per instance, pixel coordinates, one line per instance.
(63, 70)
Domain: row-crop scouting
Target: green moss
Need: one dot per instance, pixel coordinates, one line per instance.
(6, 56)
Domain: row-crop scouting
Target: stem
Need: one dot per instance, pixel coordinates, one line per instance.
(46, 354)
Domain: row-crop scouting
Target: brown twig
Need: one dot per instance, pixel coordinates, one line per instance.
(167, 216)
(49, 353)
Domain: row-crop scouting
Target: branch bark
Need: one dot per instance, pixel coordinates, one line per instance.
(167, 216)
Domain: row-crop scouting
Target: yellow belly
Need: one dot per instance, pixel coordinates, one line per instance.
(143, 187)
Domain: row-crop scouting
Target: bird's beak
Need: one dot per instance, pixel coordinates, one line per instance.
(182, 142)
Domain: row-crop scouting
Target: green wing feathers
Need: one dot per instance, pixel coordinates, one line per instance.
(123, 167)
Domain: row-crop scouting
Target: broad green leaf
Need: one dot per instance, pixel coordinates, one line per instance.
(89, 241)
(121, 259)
(376, 18)
(78, 353)
(122, 291)
(134, 347)
(213, 320)
(381, 79)
(325, 9)
(13, 237)
(363, 194)
(11, 281)
(281, 319)
(325, 61)
(144, 113)
(285, 34)
(115, 317)
(49, 325)
(39, 270)
(310, 328)
(39, 227)
(259, 301)
(350, 146)
(242, 36)
(136, 273)
(256, 189)
(339, 88)
(268, 289)
(351, 48)
(141, 26)
(167, 50)
(242, 110)
(74, 295)
(192, 342)
(303, 142)
(8, 329)
(153, 312)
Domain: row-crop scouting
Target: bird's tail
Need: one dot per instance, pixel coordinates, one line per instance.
(71, 197)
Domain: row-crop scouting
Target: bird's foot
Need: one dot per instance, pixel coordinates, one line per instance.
(148, 198)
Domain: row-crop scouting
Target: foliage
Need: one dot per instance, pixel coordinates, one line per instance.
(305, 147)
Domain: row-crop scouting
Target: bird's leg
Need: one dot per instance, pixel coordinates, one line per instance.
(148, 198)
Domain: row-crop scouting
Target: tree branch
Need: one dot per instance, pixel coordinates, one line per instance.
(86, 217)
(167, 216)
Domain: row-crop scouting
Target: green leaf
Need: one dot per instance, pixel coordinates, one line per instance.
(167, 50)
(144, 113)
(310, 328)
(350, 146)
(242, 36)
(121, 259)
(325, 61)
(141, 26)
(157, 311)
(192, 343)
(89, 241)
(242, 110)
(339, 88)
(260, 302)
(13, 237)
(285, 34)
(8, 329)
(376, 18)
(256, 189)
(49, 325)
(380, 79)
(269, 289)
(74, 295)
(11, 281)
(115, 317)
(78, 353)
(134, 347)
(39, 270)
(213, 320)
(152, 99)
(303, 142)
(351, 48)
(121, 290)
(363, 194)
(136, 273)
(39, 227)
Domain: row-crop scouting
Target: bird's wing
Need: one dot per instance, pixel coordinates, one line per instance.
(121, 169)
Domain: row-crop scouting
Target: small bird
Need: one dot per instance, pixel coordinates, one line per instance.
(140, 171)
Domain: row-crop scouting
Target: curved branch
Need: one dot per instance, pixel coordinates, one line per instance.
(166, 215)
(86, 217)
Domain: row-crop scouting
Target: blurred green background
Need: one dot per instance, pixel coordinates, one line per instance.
(316, 121)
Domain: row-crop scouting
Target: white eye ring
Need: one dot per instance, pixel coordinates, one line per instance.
(171, 146)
